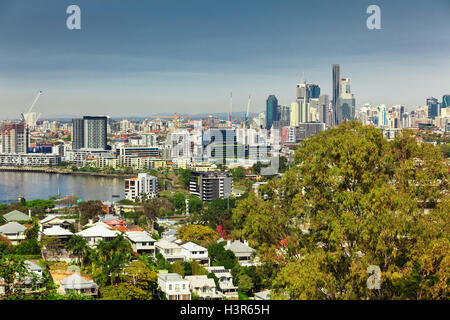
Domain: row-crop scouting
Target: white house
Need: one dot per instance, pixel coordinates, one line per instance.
(98, 233)
(77, 283)
(174, 286)
(225, 281)
(13, 231)
(141, 242)
(52, 220)
(204, 287)
(192, 251)
(59, 232)
(171, 251)
(243, 252)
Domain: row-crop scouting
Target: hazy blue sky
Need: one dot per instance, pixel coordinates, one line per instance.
(141, 57)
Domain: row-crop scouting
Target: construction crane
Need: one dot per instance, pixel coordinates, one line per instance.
(246, 115)
(175, 117)
(32, 105)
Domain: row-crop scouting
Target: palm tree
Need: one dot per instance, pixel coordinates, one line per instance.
(78, 246)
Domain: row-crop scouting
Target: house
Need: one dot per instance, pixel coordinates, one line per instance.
(192, 251)
(141, 242)
(174, 286)
(52, 220)
(77, 283)
(16, 216)
(58, 232)
(98, 233)
(170, 251)
(263, 295)
(204, 287)
(36, 273)
(13, 231)
(225, 281)
(242, 252)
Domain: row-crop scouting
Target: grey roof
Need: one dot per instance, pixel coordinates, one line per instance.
(98, 231)
(57, 231)
(12, 227)
(263, 295)
(75, 281)
(16, 216)
(170, 276)
(33, 266)
(193, 247)
(139, 236)
(239, 248)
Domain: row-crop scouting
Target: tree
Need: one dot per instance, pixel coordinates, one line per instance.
(28, 247)
(352, 200)
(33, 232)
(111, 257)
(221, 257)
(90, 210)
(16, 277)
(78, 246)
(194, 232)
(138, 283)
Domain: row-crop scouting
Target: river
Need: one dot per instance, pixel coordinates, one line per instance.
(34, 185)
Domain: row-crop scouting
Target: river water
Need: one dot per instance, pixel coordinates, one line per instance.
(34, 185)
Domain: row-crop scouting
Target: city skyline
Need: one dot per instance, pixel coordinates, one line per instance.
(148, 64)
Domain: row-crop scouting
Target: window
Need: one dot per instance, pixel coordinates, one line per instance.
(170, 287)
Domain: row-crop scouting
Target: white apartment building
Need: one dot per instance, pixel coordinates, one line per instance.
(145, 185)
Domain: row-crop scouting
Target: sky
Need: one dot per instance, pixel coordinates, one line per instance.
(144, 57)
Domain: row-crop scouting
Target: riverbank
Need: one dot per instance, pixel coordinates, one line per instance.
(65, 171)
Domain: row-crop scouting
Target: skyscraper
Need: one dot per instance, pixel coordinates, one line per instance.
(271, 111)
(90, 132)
(14, 138)
(445, 101)
(336, 93)
(323, 108)
(313, 91)
(433, 108)
(346, 101)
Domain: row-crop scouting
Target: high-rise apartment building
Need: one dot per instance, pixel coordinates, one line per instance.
(14, 138)
(90, 132)
(144, 186)
(211, 185)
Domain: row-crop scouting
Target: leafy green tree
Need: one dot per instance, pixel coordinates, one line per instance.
(221, 257)
(28, 247)
(78, 246)
(352, 200)
(192, 232)
(90, 210)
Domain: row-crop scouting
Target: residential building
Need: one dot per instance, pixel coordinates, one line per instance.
(204, 287)
(90, 132)
(171, 251)
(192, 251)
(141, 242)
(16, 215)
(98, 233)
(13, 231)
(145, 185)
(242, 251)
(76, 283)
(174, 286)
(14, 138)
(226, 286)
(211, 185)
(30, 160)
